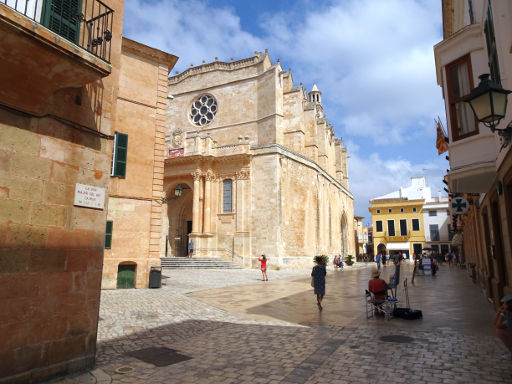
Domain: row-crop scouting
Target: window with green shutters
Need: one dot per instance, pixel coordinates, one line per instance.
(108, 234)
(63, 18)
(119, 154)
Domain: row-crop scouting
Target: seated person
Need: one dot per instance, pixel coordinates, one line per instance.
(377, 286)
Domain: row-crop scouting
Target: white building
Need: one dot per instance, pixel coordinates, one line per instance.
(436, 218)
(416, 191)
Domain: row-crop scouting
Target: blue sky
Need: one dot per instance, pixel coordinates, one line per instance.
(372, 59)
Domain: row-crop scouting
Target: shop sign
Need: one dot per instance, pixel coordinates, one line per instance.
(459, 205)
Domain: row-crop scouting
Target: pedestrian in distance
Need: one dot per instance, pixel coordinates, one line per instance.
(377, 260)
(502, 320)
(340, 262)
(263, 261)
(318, 273)
(336, 262)
(190, 249)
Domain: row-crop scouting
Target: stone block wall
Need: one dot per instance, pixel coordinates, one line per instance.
(135, 202)
(51, 252)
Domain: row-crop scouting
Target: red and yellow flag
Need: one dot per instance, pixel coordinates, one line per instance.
(441, 142)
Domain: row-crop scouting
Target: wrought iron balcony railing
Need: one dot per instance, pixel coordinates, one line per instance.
(86, 23)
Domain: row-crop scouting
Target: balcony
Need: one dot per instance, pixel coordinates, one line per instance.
(395, 237)
(472, 157)
(47, 45)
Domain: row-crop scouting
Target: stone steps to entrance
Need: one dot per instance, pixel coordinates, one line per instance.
(196, 263)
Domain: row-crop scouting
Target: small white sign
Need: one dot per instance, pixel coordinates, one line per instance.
(89, 196)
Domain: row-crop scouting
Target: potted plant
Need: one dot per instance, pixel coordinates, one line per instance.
(321, 260)
(349, 260)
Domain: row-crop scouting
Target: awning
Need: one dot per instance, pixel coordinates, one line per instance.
(398, 246)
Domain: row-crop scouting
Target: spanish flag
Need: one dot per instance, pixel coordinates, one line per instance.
(441, 141)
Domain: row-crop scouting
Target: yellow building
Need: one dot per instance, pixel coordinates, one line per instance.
(397, 225)
(358, 233)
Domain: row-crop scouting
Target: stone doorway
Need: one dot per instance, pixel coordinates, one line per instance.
(179, 214)
(126, 276)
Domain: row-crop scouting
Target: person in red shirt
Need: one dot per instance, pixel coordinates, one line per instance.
(377, 286)
(263, 261)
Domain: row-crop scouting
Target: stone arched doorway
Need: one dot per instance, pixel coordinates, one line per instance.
(381, 248)
(179, 215)
(126, 274)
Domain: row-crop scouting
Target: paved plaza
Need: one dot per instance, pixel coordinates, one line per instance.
(228, 326)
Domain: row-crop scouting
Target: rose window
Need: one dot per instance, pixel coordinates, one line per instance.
(203, 110)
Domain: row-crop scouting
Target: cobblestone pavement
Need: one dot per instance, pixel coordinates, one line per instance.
(237, 329)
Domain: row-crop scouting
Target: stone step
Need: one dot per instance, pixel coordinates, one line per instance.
(196, 263)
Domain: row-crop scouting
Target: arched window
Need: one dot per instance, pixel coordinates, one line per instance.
(227, 200)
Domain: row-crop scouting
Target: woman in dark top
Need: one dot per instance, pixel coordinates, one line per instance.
(318, 274)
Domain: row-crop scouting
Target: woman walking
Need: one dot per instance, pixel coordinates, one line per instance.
(318, 275)
(263, 261)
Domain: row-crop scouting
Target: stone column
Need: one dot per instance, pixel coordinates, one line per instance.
(207, 201)
(195, 201)
(241, 217)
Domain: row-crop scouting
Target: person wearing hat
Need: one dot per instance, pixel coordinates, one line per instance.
(502, 319)
(377, 286)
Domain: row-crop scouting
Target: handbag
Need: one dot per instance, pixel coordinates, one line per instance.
(312, 281)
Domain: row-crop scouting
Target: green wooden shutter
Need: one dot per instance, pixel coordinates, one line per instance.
(108, 234)
(61, 16)
(120, 154)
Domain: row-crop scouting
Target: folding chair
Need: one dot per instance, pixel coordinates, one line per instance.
(384, 307)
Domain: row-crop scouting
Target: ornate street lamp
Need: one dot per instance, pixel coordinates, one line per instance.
(177, 193)
(489, 104)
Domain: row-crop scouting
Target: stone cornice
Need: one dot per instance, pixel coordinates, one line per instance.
(149, 53)
(219, 65)
(262, 150)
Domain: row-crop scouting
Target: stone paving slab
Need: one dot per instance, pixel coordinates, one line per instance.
(282, 338)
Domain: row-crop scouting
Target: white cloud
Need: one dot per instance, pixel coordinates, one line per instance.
(371, 176)
(189, 29)
(372, 59)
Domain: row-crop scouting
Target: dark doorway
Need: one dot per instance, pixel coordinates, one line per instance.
(498, 247)
(126, 276)
(417, 249)
(189, 231)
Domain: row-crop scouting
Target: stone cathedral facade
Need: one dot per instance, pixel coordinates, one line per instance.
(258, 167)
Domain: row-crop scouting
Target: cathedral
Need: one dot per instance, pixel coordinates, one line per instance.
(252, 167)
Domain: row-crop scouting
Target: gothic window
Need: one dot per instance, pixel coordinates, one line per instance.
(227, 196)
(460, 83)
(203, 110)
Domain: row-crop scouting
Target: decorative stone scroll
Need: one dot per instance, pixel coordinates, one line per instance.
(242, 175)
(196, 175)
(210, 176)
